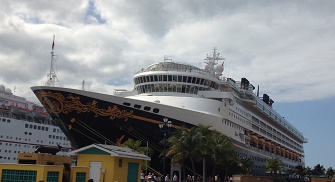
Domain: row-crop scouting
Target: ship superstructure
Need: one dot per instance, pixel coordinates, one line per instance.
(188, 96)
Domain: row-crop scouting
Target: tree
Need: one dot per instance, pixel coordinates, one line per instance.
(136, 145)
(330, 172)
(300, 171)
(200, 142)
(246, 165)
(318, 170)
(184, 144)
(309, 171)
(273, 166)
(203, 135)
(221, 150)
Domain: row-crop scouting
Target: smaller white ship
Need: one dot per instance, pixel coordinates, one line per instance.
(25, 126)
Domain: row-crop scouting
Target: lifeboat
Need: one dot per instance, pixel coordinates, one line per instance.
(19, 110)
(288, 154)
(39, 114)
(278, 150)
(254, 138)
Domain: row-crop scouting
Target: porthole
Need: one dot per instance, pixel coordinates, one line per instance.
(126, 104)
(155, 110)
(137, 106)
(146, 108)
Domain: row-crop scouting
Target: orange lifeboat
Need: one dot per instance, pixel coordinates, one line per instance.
(254, 138)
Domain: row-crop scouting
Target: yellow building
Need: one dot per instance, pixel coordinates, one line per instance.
(110, 163)
(34, 167)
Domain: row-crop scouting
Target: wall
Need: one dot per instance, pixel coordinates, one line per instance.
(110, 164)
(42, 170)
(320, 179)
(106, 163)
(122, 172)
(75, 170)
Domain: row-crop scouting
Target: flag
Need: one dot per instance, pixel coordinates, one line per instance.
(53, 45)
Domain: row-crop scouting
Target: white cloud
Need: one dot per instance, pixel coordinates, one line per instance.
(285, 47)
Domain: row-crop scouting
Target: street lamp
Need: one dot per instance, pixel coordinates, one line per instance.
(165, 128)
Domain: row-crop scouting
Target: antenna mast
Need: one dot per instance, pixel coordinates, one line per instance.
(212, 60)
(52, 77)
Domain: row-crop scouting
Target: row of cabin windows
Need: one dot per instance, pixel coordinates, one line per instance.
(256, 127)
(146, 108)
(190, 89)
(241, 119)
(57, 137)
(274, 134)
(36, 127)
(8, 137)
(176, 78)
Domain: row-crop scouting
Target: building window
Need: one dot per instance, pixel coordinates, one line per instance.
(80, 176)
(52, 176)
(120, 162)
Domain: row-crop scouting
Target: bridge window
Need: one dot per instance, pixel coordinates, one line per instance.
(175, 78)
(169, 78)
(180, 78)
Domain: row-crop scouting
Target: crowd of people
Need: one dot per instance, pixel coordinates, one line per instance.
(152, 177)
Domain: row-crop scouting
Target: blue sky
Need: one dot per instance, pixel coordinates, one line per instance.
(316, 120)
(286, 47)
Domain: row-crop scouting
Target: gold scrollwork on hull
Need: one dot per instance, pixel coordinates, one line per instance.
(56, 103)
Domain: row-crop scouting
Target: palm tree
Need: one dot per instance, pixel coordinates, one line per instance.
(203, 135)
(246, 165)
(309, 171)
(318, 170)
(136, 145)
(300, 171)
(221, 149)
(183, 144)
(200, 142)
(273, 166)
(330, 172)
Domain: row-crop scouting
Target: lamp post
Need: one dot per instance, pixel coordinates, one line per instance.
(165, 128)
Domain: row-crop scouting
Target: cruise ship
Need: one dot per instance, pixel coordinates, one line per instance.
(25, 127)
(188, 96)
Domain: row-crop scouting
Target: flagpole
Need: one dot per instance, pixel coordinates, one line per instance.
(52, 57)
(52, 77)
